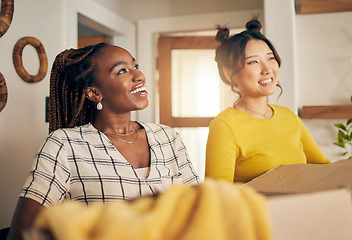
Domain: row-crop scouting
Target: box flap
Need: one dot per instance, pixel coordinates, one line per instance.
(300, 178)
(343, 162)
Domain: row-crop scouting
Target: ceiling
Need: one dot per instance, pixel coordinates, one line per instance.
(133, 10)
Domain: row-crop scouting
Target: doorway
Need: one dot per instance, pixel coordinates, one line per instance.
(89, 36)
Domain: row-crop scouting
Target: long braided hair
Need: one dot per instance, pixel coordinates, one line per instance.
(72, 72)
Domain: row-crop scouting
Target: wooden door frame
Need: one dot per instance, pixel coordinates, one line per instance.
(165, 46)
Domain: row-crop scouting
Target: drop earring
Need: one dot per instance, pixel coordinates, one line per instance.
(99, 106)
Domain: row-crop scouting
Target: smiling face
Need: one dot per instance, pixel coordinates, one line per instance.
(258, 77)
(119, 83)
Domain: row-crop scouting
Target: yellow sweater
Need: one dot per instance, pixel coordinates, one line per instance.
(212, 210)
(240, 147)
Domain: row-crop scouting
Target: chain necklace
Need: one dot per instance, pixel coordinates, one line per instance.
(123, 135)
(261, 114)
(125, 141)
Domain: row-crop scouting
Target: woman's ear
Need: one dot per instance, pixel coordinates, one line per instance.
(228, 73)
(93, 94)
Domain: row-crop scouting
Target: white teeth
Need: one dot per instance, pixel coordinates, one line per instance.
(266, 81)
(140, 89)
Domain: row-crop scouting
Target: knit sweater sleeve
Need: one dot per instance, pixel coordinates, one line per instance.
(310, 148)
(221, 151)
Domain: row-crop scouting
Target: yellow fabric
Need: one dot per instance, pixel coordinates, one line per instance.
(212, 210)
(240, 147)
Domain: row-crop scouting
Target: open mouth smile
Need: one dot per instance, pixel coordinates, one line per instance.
(139, 90)
(266, 81)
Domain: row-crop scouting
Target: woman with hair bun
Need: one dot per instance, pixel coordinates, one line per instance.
(253, 136)
(95, 152)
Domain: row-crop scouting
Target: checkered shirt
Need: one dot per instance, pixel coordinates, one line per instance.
(82, 164)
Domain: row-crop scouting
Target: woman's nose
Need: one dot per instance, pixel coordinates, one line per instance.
(138, 76)
(266, 69)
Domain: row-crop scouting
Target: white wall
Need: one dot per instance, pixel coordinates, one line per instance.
(324, 53)
(22, 121)
(123, 8)
(280, 29)
(325, 58)
(148, 9)
(169, 8)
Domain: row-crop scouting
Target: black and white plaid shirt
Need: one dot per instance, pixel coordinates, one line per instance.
(82, 164)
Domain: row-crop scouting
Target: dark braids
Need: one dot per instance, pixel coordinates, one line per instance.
(72, 72)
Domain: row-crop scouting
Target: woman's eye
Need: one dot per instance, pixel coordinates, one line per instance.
(122, 70)
(252, 62)
(136, 67)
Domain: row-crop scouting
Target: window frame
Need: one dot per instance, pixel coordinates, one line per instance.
(165, 46)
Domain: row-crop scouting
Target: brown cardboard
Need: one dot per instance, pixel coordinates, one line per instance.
(323, 215)
(343, 161)
(300, 178)
(309, 201)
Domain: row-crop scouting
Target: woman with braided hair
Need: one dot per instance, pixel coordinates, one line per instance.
(253, 136)
(94, 152)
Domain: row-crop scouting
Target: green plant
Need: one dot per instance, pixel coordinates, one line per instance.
(344, 137)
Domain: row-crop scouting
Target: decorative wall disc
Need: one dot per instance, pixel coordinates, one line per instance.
(3, 92)
(7, 8)
(17, 59)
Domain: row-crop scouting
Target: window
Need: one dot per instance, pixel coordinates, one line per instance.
(191, 93)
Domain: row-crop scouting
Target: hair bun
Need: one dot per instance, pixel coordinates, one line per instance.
(222, 35)
(254, 25)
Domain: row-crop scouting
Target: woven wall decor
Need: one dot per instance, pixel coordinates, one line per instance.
(7, 7)
(17, 59)
(3, 92)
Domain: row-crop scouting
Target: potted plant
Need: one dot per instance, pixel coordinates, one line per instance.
(344, 137)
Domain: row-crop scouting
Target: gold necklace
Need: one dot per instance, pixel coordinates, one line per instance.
(112, 134)
(125, 141)
(261, 114)
(122, 134)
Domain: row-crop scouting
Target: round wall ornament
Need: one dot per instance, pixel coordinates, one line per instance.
(3, 92)
(17, 59)
(7, 8)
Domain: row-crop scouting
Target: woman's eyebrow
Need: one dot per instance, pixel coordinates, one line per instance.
(269, 53)
(120, 63)
(251, 56)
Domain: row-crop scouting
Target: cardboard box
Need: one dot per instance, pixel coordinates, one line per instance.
(309, 201)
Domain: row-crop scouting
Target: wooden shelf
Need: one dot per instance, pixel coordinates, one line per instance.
(327, 112)
(322, 6)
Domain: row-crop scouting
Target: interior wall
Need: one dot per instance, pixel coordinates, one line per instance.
(280, 28)
(324, 46)
(151, 9)
(168, 8)
(22, 121)
(123, 8)
(325, 58)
